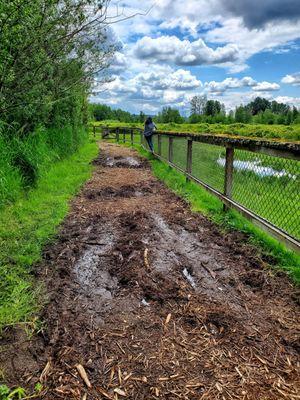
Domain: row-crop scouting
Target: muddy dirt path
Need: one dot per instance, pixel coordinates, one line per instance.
(153, 301)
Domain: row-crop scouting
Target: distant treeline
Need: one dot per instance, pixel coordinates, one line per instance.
(202, 110)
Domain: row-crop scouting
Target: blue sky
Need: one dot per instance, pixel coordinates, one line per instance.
(229, 50)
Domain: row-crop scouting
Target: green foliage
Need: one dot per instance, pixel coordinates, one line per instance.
(100, 112)
(212, 108)
(24, 160)
(19, 393)
(169, 115)
(14, 394)
(49, 52)
(260, 111)
(27, 225)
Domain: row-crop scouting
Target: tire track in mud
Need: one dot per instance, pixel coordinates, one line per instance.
(156, 302)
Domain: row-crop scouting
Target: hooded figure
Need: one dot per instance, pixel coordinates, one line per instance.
(150, 127)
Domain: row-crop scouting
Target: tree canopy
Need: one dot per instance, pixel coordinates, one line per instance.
(49, 51)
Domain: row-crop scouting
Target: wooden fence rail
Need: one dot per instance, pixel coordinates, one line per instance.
(287, 151)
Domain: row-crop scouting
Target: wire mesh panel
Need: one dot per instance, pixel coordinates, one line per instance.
(164, 146)
(155, 143)
(207, 165)
(180, 152)
(269, 186)
(135, 136)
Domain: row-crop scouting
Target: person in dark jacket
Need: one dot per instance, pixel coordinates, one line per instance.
(150, 127)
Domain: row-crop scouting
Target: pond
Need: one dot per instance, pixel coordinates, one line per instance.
(256, 167)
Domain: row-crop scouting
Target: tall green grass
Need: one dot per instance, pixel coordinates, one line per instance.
(32, 220)
(23, 160)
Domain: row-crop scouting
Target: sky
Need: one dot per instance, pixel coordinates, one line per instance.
(229, 50)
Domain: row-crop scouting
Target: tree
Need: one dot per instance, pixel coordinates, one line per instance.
(142, 117)
(295, 113)
(169, 115)
(49, 54)
(243, 114)
(198, 104)
(258, 105)
(212, 107)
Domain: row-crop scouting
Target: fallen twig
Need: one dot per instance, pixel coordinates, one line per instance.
(83, 375)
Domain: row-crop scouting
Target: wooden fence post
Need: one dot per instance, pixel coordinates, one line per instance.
(170, 149)
(159, 144)
(131, 136)
(228, 174)
(189, 158)
(117, 135)
(141, 136)
(124, 135)
(94, 129)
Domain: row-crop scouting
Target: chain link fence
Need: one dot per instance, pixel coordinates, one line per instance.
(260, 179)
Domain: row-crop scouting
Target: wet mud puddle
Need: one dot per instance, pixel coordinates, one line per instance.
(92, 271)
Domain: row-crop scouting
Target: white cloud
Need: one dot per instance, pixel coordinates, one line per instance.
(266, 87)
(118, 62)
(168, 79)
(183, 52)
(253, 41)
(234, 83)
(211, 33)
(293, 79)
(292, 101)
(171, 96)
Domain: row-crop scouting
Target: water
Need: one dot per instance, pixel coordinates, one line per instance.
(257, 168)
(145, 303)
(189, 278)
(130, 161)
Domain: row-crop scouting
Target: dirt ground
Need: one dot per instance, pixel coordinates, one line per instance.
(152, 301)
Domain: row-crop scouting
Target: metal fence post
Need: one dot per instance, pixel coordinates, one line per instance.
(159, 145)
(131, 136)
(228, 173)
(94, 129)
(124, 135)
(189, 158)
(117, 135)
(170, 149)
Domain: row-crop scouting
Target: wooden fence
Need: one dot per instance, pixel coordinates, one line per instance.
(285, 153)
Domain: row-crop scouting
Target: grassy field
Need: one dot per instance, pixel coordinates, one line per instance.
(278, 132)
(27, 225)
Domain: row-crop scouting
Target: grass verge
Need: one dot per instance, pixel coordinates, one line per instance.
(202, 201)
(30, 223)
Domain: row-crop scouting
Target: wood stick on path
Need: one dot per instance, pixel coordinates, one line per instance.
(83, 375)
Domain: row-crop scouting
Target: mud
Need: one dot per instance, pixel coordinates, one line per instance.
(155, 302)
